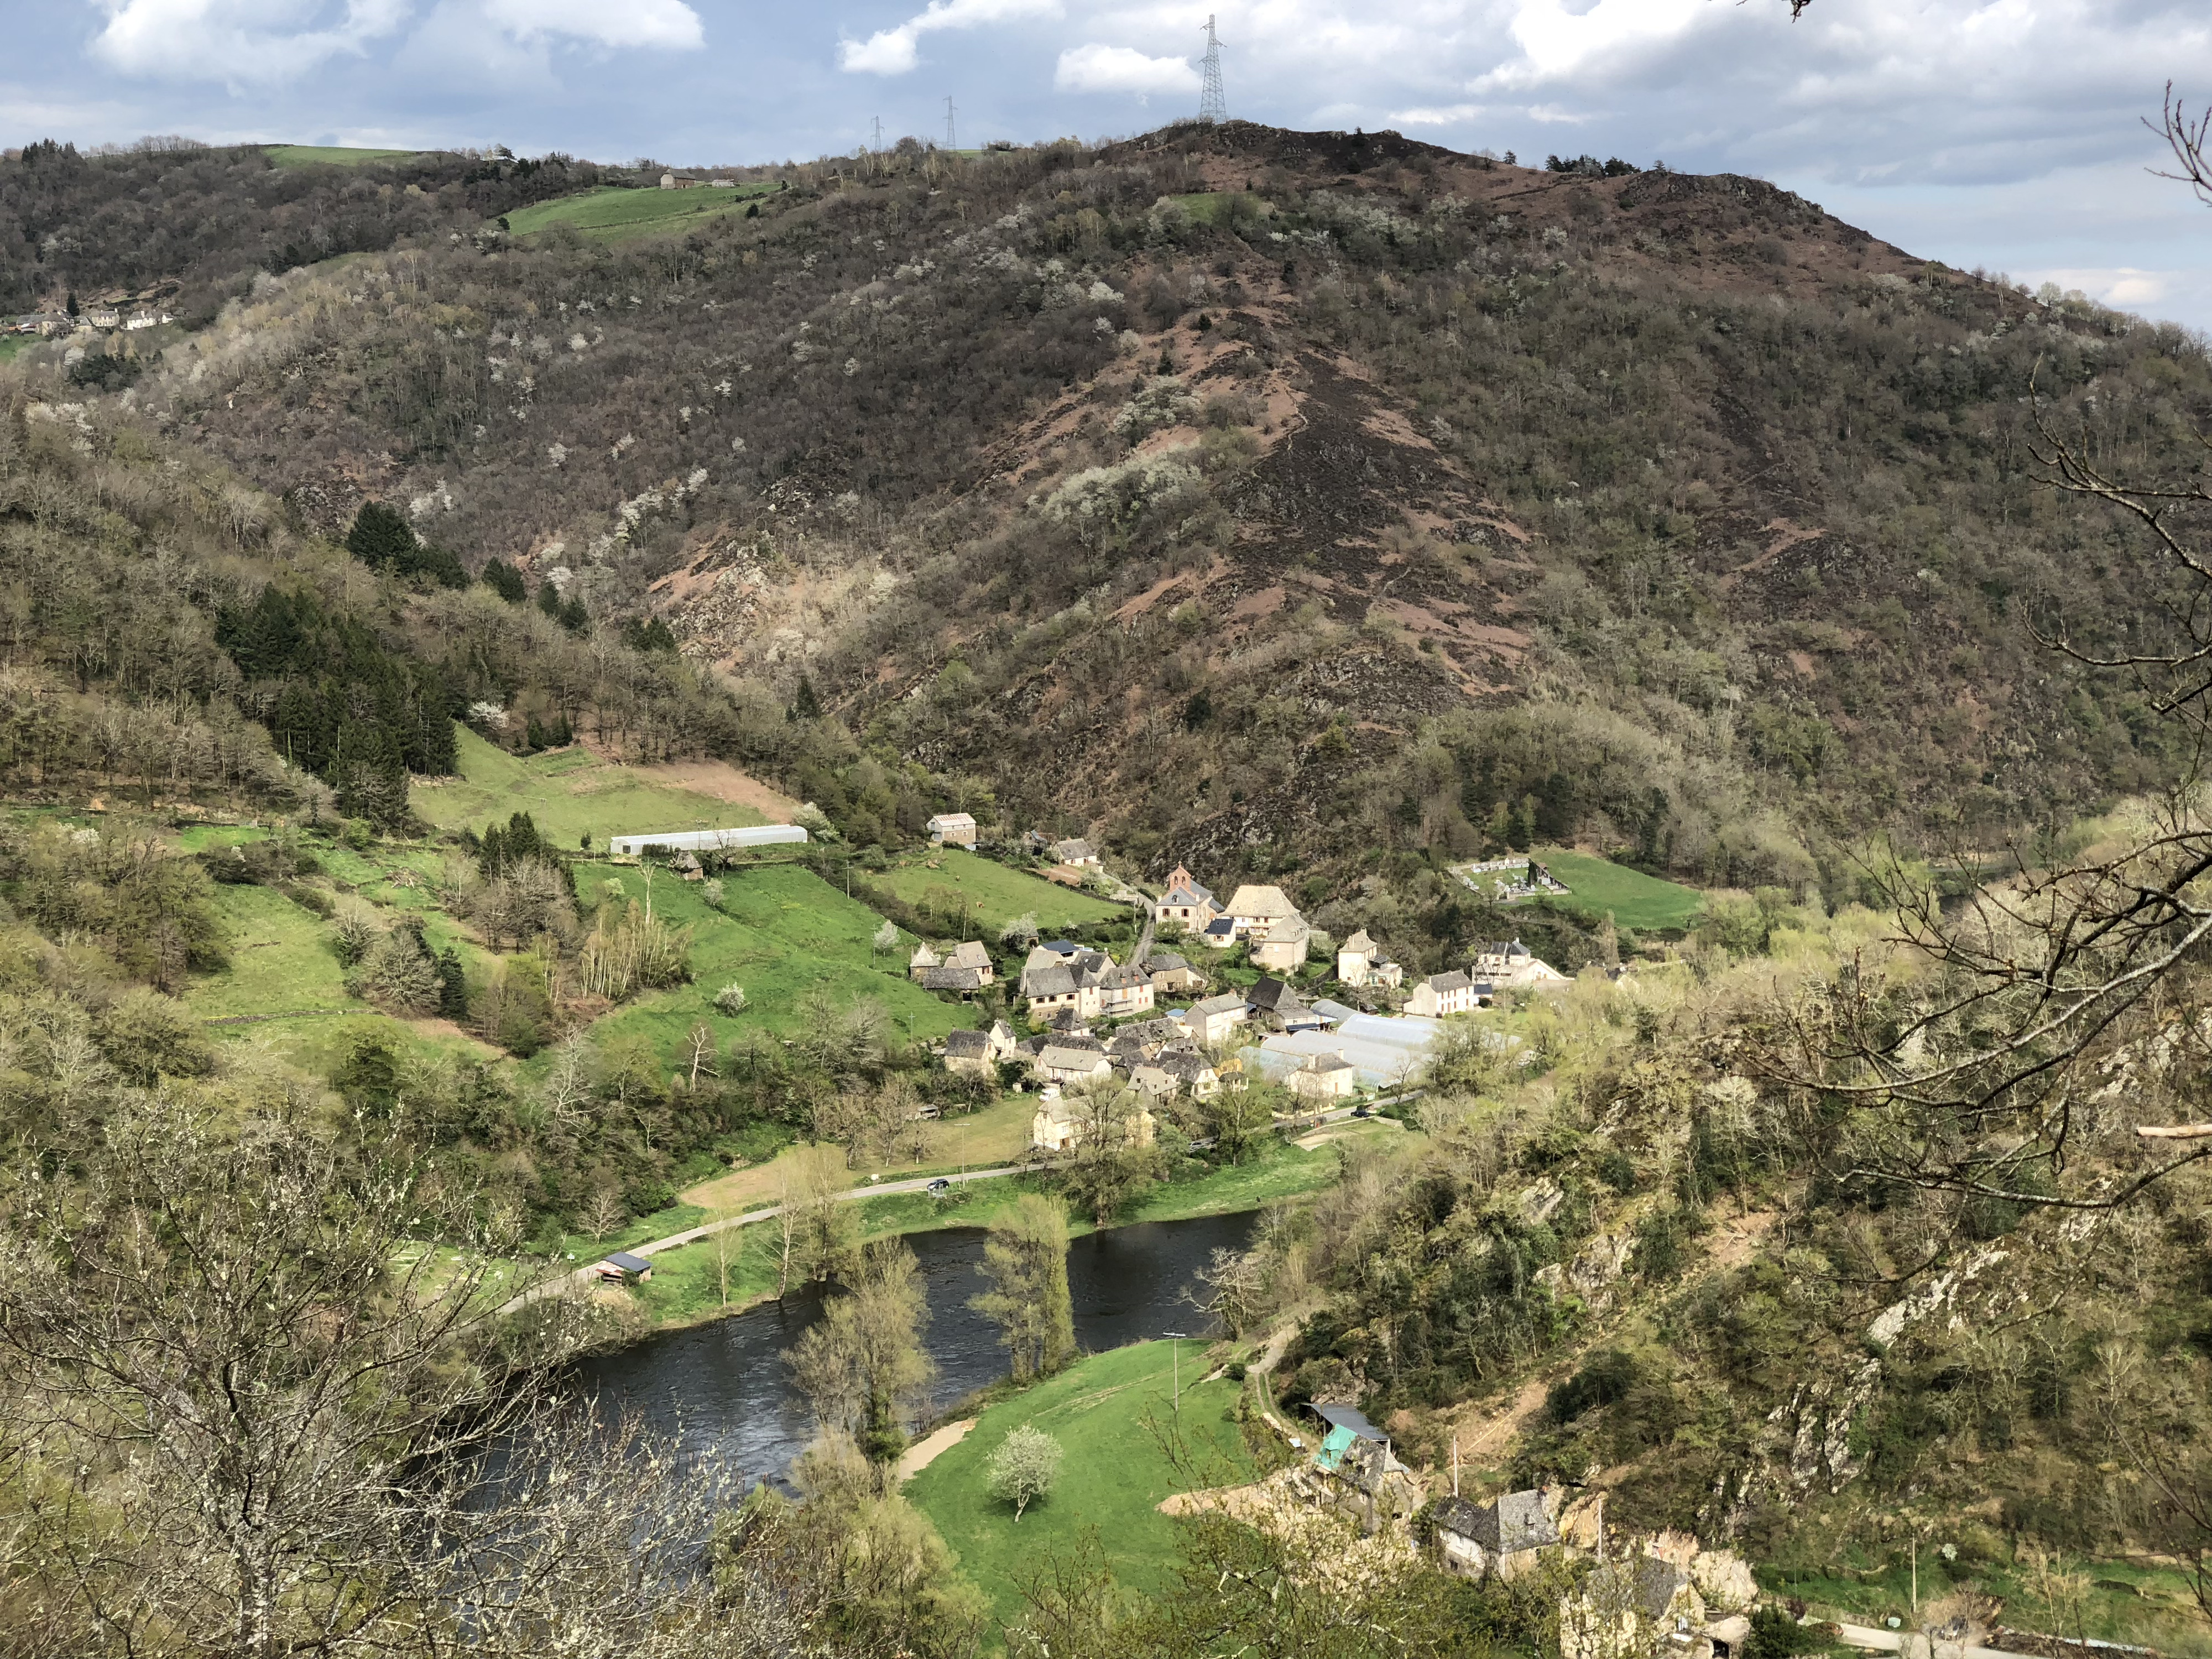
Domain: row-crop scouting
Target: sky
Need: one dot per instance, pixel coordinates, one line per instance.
(2004, 135)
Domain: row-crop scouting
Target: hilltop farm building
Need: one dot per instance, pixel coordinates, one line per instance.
(706, 841)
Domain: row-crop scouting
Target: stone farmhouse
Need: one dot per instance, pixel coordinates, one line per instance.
(1360, 963)
(966, 969)
(1077, 852)
(952, 829)
(1090, 982)
(1059, 1124)
(977, 1054)
(1171, 974)
(1504, 1537)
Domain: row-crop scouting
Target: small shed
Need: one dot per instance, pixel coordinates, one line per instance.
(621, 1265)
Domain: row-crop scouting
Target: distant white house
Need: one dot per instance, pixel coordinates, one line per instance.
(953, 829)
(706, 841)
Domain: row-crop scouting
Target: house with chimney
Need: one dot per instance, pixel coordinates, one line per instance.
(1186, 904)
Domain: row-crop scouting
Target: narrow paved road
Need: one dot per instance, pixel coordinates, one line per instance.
(694, 1235)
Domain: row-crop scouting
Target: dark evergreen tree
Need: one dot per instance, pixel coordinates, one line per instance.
(381, 538)
(504, 580)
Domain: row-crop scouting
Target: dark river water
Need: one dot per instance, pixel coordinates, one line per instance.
(722, 1389)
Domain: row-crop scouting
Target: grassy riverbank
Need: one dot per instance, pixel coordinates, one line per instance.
(1113, 1415)
(705, 1280)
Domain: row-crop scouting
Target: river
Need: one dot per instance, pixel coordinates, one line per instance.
(722, 1388)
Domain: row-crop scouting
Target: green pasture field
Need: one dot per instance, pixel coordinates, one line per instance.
(308, 155)
(1113, 1475)
(1644, 902)
(996, 893)
(612, 213)
(566, 792)
(282, 963)
(12, 343)
(781, 932)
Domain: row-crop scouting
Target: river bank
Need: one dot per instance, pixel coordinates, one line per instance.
(733, 1270)
(720, 1388)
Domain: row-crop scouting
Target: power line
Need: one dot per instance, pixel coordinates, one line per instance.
(1212, 103)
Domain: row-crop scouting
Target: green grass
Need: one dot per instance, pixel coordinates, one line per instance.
(1275, 1169)
(12, 343)
(1644, 902)
(996, 894)
(280, 960)
(2127, 1602)
(308, 155)
(1113, 1475)
(782, 930)
(612, 213)
(566, 792)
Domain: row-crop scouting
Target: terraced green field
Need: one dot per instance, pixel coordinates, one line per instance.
(1644, 902)
(995, 894)
(566, 792)
(613, 214)
(782, 932)
(344, 155)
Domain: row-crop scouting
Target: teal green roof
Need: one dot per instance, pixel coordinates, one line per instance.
(1332, 1451)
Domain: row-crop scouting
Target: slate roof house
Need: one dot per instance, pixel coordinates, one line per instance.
(1360, 962)
(1058, 1124)
(1503, 1536)
(1171, 973)
(977, 1054)
(1211, 1020)
(953, 829)
(1186, 904)
(1282, 1006)
(1075, 851)
(1453, 993)
(1191, 1073)
(1283, 946)
(1051, 980)
(1124, 991)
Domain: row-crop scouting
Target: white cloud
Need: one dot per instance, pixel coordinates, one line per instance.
(895, 50)
(2124, 288)
(1094, 68)
(238, 41)
(1448, 115)
(664, 23)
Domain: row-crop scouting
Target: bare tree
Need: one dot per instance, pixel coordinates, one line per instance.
(1961, 1057)
(249, 1415)
(604, 1214)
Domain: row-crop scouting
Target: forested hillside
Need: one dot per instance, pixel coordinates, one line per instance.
(1320, 509)
(1267, 498)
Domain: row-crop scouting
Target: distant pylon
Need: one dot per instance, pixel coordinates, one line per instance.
(1212, 103)
(949, 143)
